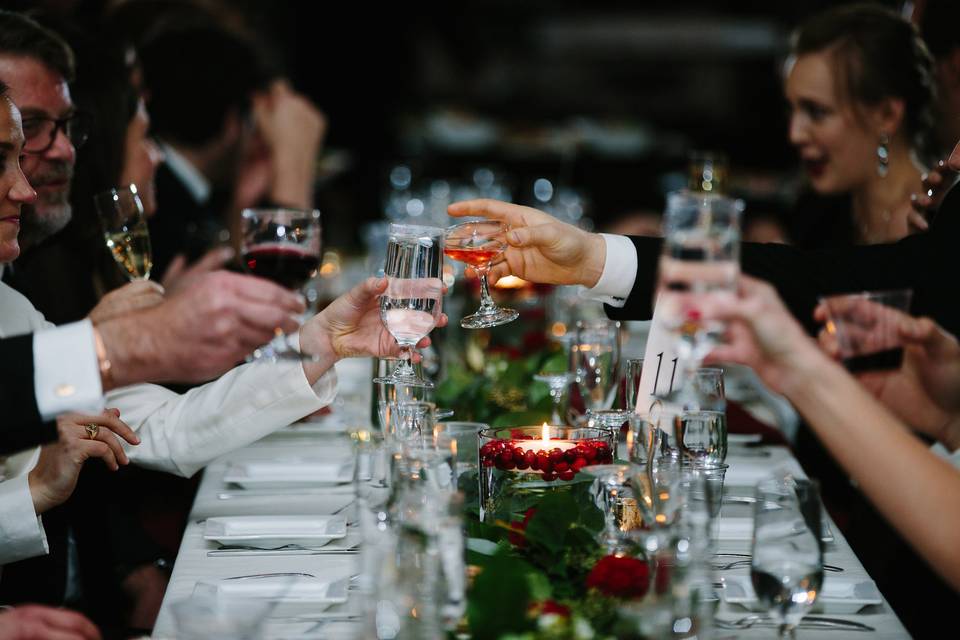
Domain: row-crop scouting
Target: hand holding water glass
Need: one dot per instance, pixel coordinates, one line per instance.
(700, 259)
(411, 306)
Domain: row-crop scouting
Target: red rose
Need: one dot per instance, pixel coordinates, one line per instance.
(517, 535)
(550, 607)
(620, 577)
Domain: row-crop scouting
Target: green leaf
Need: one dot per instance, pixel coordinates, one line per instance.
(556, 363)
(499, 599)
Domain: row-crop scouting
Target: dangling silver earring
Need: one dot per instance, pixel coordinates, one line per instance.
(883, 156)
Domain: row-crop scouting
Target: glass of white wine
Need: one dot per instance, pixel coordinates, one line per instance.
(125, 230)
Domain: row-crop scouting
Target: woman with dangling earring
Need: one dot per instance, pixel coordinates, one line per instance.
(860, 88)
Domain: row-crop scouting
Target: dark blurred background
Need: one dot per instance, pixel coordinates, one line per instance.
(606, 98)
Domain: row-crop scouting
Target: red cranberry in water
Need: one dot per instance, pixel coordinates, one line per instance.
(567, 475)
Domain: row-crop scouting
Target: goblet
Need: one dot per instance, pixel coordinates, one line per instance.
(478, 244)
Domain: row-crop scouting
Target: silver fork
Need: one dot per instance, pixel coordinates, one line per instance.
(272, 575)
(808, 622)
(736, 564)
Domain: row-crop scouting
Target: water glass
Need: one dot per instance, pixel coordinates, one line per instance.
(463, 436)
(701, 436)
(610, 490)
(644, 440)
(559, 384)
(595, 360)
(409, 421)
(411, 305)
(787, 556)
(383, 394)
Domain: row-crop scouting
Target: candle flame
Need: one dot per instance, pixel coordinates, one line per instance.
(546, 432)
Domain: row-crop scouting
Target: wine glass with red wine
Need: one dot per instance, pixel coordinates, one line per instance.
(282, 245)
(478, 244)
(411, 305)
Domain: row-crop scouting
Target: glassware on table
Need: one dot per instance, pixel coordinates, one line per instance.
(612, 493)
(631, 382)
(787, 555)
(559, 384)
(410, 420)
(595, 360)
(220, 617)
(644, 440)
(282, 245)
(701, 436)
(478, 244)
(411, 305)
(465, 435)
(700, 260)
(383, 394)
(125, 230)
(865, 327)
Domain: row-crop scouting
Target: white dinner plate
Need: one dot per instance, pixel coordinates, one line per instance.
(840, 594)
(272, 532)
(287, 594)
(278, 474)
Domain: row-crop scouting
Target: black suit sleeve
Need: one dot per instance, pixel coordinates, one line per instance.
(22, 427)
(924, 263)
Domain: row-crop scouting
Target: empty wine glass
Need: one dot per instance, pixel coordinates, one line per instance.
(558, 384)
(700, 258)
(478, 244)
(631, 381)
(282, 245)
(125, 230)
(595, 359)
(411, 305)
(787, 557)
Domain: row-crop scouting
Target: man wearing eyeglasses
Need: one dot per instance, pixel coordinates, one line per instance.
(53, 131)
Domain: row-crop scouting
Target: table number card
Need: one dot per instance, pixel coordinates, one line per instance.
(660, 365)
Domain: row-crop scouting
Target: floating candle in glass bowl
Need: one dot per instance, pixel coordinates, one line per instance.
(525, 461)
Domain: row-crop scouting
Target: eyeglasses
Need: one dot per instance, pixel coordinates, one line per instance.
(40, 132)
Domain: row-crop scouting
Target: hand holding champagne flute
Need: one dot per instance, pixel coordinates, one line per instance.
(125, 230)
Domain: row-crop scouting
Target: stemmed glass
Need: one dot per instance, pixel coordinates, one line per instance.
(282, 245)
(595, 359)
(700, 258)
(478, 244)
(611, 489)
(787, 557)
(125, 230)
(411, 305)
(558, 384)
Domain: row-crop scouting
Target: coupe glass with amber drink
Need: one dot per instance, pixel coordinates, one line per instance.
(479, 244)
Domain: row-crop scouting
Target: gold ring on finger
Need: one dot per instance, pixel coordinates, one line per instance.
(92, 430)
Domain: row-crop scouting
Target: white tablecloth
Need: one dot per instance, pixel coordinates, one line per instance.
(326, 439)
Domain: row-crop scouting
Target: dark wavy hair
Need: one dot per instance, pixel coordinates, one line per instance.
(24, 36)
(878, 55)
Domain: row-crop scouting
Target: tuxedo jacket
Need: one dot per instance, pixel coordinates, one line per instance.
(22, 426)
(925, 262)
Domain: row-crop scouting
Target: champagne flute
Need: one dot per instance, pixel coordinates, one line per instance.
(282, 245)
(411, 305)
(787, 557)
(478, 244)
(700, 259)
(125, 230)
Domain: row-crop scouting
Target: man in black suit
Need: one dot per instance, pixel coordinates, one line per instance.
(234, 136)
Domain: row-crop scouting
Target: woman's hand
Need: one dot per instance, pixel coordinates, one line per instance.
(350, 326)
(761, 334)
(54, 477)
(925, 391)
(140, 294)
(541, 248)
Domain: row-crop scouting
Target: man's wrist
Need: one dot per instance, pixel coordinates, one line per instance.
(596, 258)
(41, 501)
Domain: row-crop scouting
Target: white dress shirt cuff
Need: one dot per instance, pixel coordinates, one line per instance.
(66, 373)
(619, 272)
(21, 532)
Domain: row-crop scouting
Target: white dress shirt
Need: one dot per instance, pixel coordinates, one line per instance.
(178, 433)
(619, 272)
